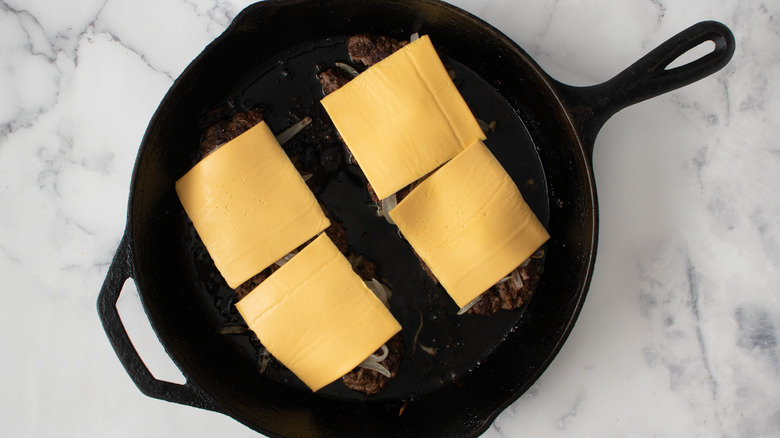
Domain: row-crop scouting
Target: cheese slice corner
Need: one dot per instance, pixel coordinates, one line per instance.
(249, 204)
(403, 117)
(316, 315)
(469, 223)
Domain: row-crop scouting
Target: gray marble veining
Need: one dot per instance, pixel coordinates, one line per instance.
(678, 336)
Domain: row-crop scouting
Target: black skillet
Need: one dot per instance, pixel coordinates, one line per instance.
(545, 133)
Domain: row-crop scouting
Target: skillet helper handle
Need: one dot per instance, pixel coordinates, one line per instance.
(649, 77)
(119, 271)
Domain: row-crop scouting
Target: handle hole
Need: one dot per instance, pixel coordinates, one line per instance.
(692, 55)
(142, 335)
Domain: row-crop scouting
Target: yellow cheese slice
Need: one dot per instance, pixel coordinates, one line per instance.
(469, 223)
(249, 205)
(317, 316)
(403, 117)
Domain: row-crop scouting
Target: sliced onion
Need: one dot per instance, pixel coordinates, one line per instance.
(381, 291)
(430, 350)
(374, 362)
(417, 333)
(306, 176)
(388, 204)
(382, 356)
(285, 259)
(525, 263)
(469, 305)
(487, 128)
(504, 280)
(375, 366)
(414, 37)
(265, 358)
(516, 279)
(233, 330)
(347, 68)
(355, 261)
(348, 154)
(290, 132)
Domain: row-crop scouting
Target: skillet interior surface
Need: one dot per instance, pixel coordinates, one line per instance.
(269, 57)
(286, 86)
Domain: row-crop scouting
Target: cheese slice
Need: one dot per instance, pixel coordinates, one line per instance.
(402, 117)
(469, 223)
(317, 316)
(249, 205)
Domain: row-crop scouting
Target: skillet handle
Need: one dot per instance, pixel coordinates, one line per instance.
(122, 268)
(649, 77)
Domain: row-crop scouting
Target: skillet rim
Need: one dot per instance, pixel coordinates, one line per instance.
(581, 152)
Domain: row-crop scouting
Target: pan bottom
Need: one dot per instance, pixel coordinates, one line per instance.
(440, 346)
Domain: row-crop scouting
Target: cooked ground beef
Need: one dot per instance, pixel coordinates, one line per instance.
(360, 379)
(506, 295)
(501, 296)
(371, 382)
(370, 49)
(332, 79)
(362, 48)
(222, 131)
(338, 234)
(366, 269)
(426, 268)
(249, 285)
(404, 192)
(372, 193)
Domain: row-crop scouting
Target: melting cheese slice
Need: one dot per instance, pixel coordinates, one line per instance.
(469, 223)
(317, 316)
(249, 205)
(403, 117)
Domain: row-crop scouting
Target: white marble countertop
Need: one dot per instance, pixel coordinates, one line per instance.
(678, 335)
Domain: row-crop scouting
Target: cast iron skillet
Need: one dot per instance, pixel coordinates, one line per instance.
(546, 131)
